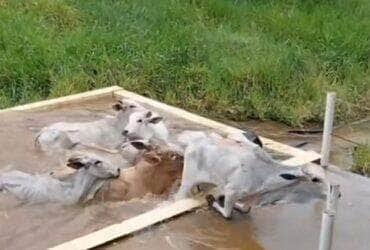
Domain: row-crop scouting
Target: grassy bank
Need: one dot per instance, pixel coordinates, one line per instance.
(234, 59)
(361, 159)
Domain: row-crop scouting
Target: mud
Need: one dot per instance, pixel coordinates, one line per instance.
(295, 226)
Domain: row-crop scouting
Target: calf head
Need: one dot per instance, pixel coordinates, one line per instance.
(157, 156)
(297, 184)
(94, 166)
(132, 150)
(169, 159)
(145, 125)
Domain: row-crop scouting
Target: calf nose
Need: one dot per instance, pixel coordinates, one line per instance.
(125, 132)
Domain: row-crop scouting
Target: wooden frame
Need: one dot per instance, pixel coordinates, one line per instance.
(55, 103)
(157, 215)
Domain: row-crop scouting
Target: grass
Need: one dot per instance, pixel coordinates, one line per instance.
(230, 59)
(361, 159)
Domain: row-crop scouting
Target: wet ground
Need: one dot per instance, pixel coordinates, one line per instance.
(344, 139)
(294, 226)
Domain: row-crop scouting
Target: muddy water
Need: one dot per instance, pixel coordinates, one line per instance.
(294, 226)
(25, 226)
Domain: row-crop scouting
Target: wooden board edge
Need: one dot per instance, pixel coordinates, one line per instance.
(65, 99)
(271, 144)
(131, 225)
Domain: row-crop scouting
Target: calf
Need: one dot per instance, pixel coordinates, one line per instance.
(239, 172)
(79, 186)
(155, 172)
(105, 132)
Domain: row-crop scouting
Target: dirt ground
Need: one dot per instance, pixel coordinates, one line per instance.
(294, 226)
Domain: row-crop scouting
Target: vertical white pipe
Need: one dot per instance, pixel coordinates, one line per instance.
(328, 128)
(326, 234)
(328, 216)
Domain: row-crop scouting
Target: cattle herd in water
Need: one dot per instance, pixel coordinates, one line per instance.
(132, 154)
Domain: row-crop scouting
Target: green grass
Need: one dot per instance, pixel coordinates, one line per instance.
(361, 159)
(230, 59)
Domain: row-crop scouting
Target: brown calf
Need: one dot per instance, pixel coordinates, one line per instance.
(155, 172)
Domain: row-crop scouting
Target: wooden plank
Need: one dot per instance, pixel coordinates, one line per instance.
(139, 222)
(271, 144)
(131, 225)
(66, 99)
(308, 157)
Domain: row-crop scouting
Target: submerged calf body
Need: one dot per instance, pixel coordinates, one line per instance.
(80, 186)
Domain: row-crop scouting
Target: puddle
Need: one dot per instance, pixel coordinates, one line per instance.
(294, 226)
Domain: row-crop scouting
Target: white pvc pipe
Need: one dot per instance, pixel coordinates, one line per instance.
(328, 128)
(328, 216)
(326, 234)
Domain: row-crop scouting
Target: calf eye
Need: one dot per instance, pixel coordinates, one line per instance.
(288, 176)
(132, 106)
(315, 179)
(140, 120)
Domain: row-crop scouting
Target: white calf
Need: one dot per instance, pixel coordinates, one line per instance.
(105, 132)
(78, 187)
(239, 172)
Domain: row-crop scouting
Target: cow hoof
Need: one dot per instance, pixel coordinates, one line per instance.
(210, 199)
(228, 218)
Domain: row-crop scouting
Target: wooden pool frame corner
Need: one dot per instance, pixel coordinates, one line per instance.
(159, 214)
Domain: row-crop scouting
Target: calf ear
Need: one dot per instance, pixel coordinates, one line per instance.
(140, 145)
(253, 137)
(117, 107)
(288, 176)
(155, 120)
(75, 163)
(152, 158)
